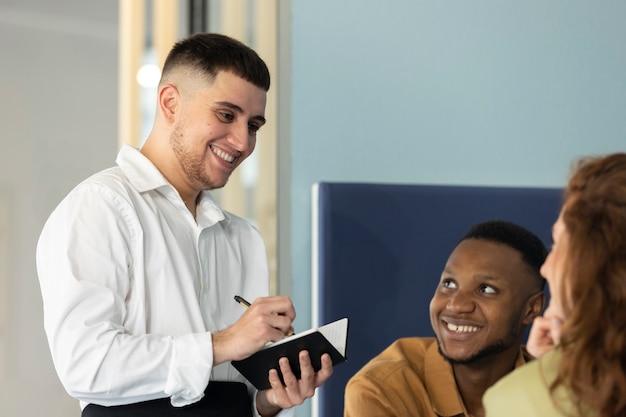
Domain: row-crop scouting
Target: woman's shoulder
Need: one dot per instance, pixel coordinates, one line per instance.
(525, 391)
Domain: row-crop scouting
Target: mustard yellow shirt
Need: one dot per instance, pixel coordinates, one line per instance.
(409, 378)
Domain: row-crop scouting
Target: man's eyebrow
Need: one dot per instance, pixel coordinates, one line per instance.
(239, 110)
(485, 277)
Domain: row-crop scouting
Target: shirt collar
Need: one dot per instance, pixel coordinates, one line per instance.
(440, 381)
(208, 212)
(139, 170)
(145, 176)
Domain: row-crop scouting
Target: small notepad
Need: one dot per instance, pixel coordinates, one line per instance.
(330, 338)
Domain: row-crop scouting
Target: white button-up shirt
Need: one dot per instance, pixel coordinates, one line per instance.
(133, 286)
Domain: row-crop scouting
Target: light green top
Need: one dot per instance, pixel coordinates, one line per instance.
(525, 392)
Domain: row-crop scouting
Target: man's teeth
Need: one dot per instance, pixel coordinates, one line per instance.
(226, 157)
(461, 329)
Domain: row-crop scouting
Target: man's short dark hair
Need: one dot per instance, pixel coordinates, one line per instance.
(210, 53)
(531, 248)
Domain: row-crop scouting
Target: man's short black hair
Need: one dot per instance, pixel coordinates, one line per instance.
(210, 53)
(524, 241)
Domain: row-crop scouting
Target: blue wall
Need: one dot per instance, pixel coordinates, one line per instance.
(481, 92)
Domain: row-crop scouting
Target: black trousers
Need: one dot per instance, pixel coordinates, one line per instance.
(221, 399)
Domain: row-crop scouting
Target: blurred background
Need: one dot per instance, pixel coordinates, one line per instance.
(405, 91)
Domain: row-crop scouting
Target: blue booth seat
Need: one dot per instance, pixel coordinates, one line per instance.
(378, 253)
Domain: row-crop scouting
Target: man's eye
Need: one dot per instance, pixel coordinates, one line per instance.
(448, 283)
(487, 289)
(225, 116)
(253, 128)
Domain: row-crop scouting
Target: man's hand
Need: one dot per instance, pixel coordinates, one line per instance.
(266, 320)
(545, 333)
(295, 391)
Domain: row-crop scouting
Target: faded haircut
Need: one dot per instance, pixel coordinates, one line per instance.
(209, 53)
(524, 241)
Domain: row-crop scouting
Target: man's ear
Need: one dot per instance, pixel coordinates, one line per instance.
(169, 102)
(534, 307)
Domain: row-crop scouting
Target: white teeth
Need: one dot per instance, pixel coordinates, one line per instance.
(226, 157)
(461, 329)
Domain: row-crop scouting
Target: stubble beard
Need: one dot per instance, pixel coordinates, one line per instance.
(194, 166)
(500, 346)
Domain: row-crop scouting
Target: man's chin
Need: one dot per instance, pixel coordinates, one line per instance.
(459, 360)
(214, 185)
(456, 358)
(470, 358)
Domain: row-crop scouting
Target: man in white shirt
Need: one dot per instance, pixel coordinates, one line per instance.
(138, 266)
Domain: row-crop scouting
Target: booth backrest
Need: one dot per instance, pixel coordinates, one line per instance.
(378, 253)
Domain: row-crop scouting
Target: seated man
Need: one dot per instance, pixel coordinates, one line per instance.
(489, 291)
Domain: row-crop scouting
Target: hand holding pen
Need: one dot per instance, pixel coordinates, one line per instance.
(266, 320)
(247, 304)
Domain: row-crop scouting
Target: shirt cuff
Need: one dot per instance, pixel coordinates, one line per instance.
(190, 368)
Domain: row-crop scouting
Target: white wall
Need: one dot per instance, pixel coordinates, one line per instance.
(58, 119)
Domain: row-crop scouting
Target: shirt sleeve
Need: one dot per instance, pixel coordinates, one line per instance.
(364, 398)
(189, 369)
(84, 256)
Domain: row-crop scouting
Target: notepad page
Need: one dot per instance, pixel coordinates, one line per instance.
(336, 333)
(290, 338)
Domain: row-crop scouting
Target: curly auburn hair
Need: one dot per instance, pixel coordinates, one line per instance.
(593, 365)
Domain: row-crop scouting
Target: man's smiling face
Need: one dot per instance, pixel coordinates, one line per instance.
(215, 129)
(478, 309)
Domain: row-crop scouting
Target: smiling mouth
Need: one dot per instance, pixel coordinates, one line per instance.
(461, 329)
(223, 155)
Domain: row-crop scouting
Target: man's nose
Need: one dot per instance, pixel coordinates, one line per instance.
(461, 302)
(240, 136)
